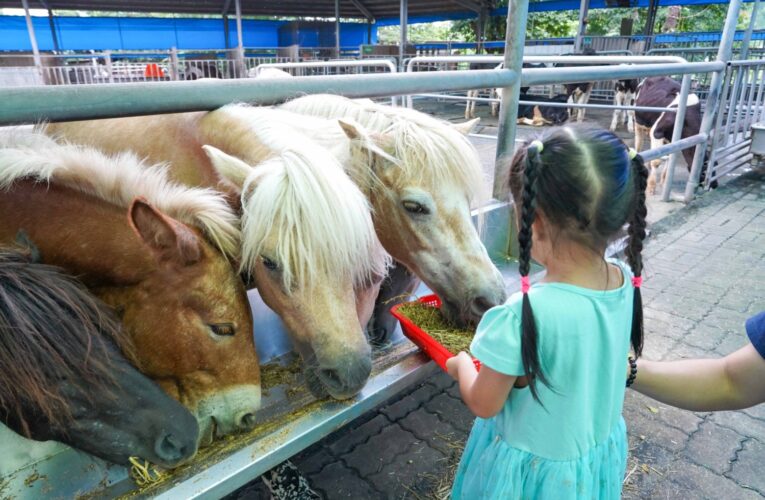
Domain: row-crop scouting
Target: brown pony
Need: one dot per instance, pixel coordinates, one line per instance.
(62, 376)
(308, 238)
(179, 298)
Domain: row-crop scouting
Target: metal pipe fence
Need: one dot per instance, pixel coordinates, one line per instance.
(742, 103)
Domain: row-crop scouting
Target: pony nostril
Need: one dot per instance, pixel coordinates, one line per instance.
(331, 378)
(480, 305)
(169, 448)
(246, 421)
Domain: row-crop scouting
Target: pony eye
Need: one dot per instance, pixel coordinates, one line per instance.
(270, 264)
(222, 329)
(415, 207)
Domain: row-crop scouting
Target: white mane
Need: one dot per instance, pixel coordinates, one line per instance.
(118, 180)
(321, 220)
(428, 150)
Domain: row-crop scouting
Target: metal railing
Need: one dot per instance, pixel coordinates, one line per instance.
(742, 103)
(332, 67)
(670, 65)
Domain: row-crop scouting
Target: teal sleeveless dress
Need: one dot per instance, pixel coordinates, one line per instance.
(575, 446)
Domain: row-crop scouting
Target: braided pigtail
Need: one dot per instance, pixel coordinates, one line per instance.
(634, 249)
(529, 353)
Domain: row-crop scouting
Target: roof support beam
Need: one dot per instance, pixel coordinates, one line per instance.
(53, 31)
(469, 4)
(363, 9)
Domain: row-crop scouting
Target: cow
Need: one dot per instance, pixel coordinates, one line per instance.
(624, 95)
(539, 114)
(664, 92)
(578, 92)
(470, 105)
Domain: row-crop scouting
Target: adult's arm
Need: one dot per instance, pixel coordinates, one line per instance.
(730, 383)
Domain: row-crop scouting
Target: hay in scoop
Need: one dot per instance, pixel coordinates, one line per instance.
(431, 321)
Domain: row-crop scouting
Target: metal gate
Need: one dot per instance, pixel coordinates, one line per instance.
(741, 105)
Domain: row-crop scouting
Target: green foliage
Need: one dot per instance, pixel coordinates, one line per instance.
(418, 33)
(607, 22)
(560, 24)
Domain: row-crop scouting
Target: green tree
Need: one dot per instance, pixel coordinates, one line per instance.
(418, 33)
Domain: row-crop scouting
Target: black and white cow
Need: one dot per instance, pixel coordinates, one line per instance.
(664, 92)
(624, 95)
(539, 114)
(470, 105)
(497, 93)
(578, 92)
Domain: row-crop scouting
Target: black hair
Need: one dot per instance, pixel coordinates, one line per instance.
(585, 183)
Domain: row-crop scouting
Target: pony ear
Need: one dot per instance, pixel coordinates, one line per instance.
(352, 129)
(230, 168)
(169, 240)
(467, 127)
(374, 143)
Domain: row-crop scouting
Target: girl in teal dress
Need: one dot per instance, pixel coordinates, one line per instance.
(550, 390)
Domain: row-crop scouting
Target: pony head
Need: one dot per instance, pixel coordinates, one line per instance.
(309, 243)
(193, 328)
(63, 377)
(163, 262)
(421, 176)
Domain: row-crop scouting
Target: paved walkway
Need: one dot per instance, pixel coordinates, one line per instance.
(705, 274)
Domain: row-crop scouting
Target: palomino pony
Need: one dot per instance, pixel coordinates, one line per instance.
(63, 378)
(308, 238)
(180, 301)
(420, 174)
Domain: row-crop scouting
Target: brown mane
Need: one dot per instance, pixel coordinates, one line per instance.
(51, 327)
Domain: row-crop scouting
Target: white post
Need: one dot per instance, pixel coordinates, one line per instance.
(578, 41)
(240, 44)
(404, 17)
(724, 52)
(337, 28)
(748, 35)
(32, 37)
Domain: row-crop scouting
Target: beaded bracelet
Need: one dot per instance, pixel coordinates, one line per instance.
(633, 370)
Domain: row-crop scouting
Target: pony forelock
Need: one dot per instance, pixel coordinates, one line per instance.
(318, 220)
(118, 179)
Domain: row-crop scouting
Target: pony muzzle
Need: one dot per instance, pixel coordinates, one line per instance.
(340, 376)
(227, 412)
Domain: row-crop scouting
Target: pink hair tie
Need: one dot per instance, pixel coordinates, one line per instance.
(637, 281)
(525, 284)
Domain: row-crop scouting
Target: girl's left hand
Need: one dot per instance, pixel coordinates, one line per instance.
(453, 364)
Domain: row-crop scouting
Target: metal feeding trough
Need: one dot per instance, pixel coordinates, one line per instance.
(758, 139)
(757, 147)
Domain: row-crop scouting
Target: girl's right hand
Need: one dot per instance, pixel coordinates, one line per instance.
(453, 364)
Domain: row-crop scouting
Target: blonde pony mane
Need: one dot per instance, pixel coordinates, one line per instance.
(426, 149)
(301, 194)
(116, 179)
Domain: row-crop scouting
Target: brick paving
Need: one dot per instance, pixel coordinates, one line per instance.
(705, 274)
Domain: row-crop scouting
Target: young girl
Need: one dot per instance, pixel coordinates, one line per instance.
(551, 387)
